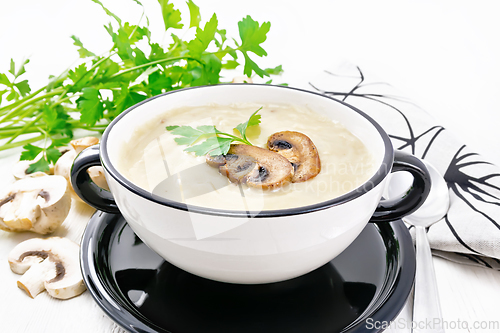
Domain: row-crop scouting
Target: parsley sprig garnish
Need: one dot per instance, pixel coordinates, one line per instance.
(216, 142)
(91, 94)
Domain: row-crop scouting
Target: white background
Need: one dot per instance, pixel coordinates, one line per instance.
(442, 54)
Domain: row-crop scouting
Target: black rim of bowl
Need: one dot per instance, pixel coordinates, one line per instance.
(400, 275)
(379, 175)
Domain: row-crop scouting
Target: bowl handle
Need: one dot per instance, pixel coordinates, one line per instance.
(394, 209)
(85, 188)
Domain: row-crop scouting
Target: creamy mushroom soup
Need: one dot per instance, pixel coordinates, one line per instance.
(155, 162)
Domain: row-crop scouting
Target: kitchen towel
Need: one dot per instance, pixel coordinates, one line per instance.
(470, 232)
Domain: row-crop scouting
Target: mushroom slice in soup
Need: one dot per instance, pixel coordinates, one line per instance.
(254, 166)
(299, 149)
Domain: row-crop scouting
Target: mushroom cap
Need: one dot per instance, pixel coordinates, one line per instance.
(51, 264)
(242, 79)
(299, 149)
(63, 168)
(65, 162)
(96, 173)
(240, 168)
(255, 166)
(215, 161)
(82, 143)
(38, 204)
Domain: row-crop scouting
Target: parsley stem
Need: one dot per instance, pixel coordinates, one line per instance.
(8, 132)
(235, 138)
(27, 114)
(92, 128)
(21, 143)
(224, 51)
(26, 98)
(154, 63)
(65, 99)
(22, 129)
(15, 111)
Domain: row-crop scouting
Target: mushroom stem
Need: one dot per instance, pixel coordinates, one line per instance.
(33, 281)
(68, 291)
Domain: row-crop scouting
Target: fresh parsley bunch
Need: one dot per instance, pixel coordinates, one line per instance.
(90, 95)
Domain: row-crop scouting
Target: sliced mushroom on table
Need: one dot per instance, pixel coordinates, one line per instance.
(65, 162)
(20, 170)
(96, 174)
(50, 264)
(38, 204)
(299, 149)
(254, 166)
(82, 143)
(242, 79)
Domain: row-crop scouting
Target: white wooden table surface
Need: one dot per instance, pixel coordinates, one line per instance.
(442, 54)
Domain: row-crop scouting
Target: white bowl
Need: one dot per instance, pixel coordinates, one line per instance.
(235, 246)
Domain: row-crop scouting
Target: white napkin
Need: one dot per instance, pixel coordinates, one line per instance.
(470, 232)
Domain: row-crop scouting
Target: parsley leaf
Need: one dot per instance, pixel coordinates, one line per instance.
(190, 135)
(214, 144)
(52, 155)
(122, 42)
(23, 87)
(4, 80)
(194, 13)
(12, 69)
(56, 120)
(250, 66)
(82, 51)
(60, 142)
(108, 12)
(21, 70)
(15, 89)
(41, 165)
(203, 37)
(230, 64)
(171, 16)
(135, 32)
(254, 120)
(48, 155)
(30, 152)
(274, 71)
(77, 75)
(124, 98)
(91, 106)
(252, 35)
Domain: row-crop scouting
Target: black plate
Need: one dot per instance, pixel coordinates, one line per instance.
(142, 292)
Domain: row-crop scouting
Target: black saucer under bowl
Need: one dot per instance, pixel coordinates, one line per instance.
(142, 292)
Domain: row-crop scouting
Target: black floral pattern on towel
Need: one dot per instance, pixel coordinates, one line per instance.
(470, 232)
